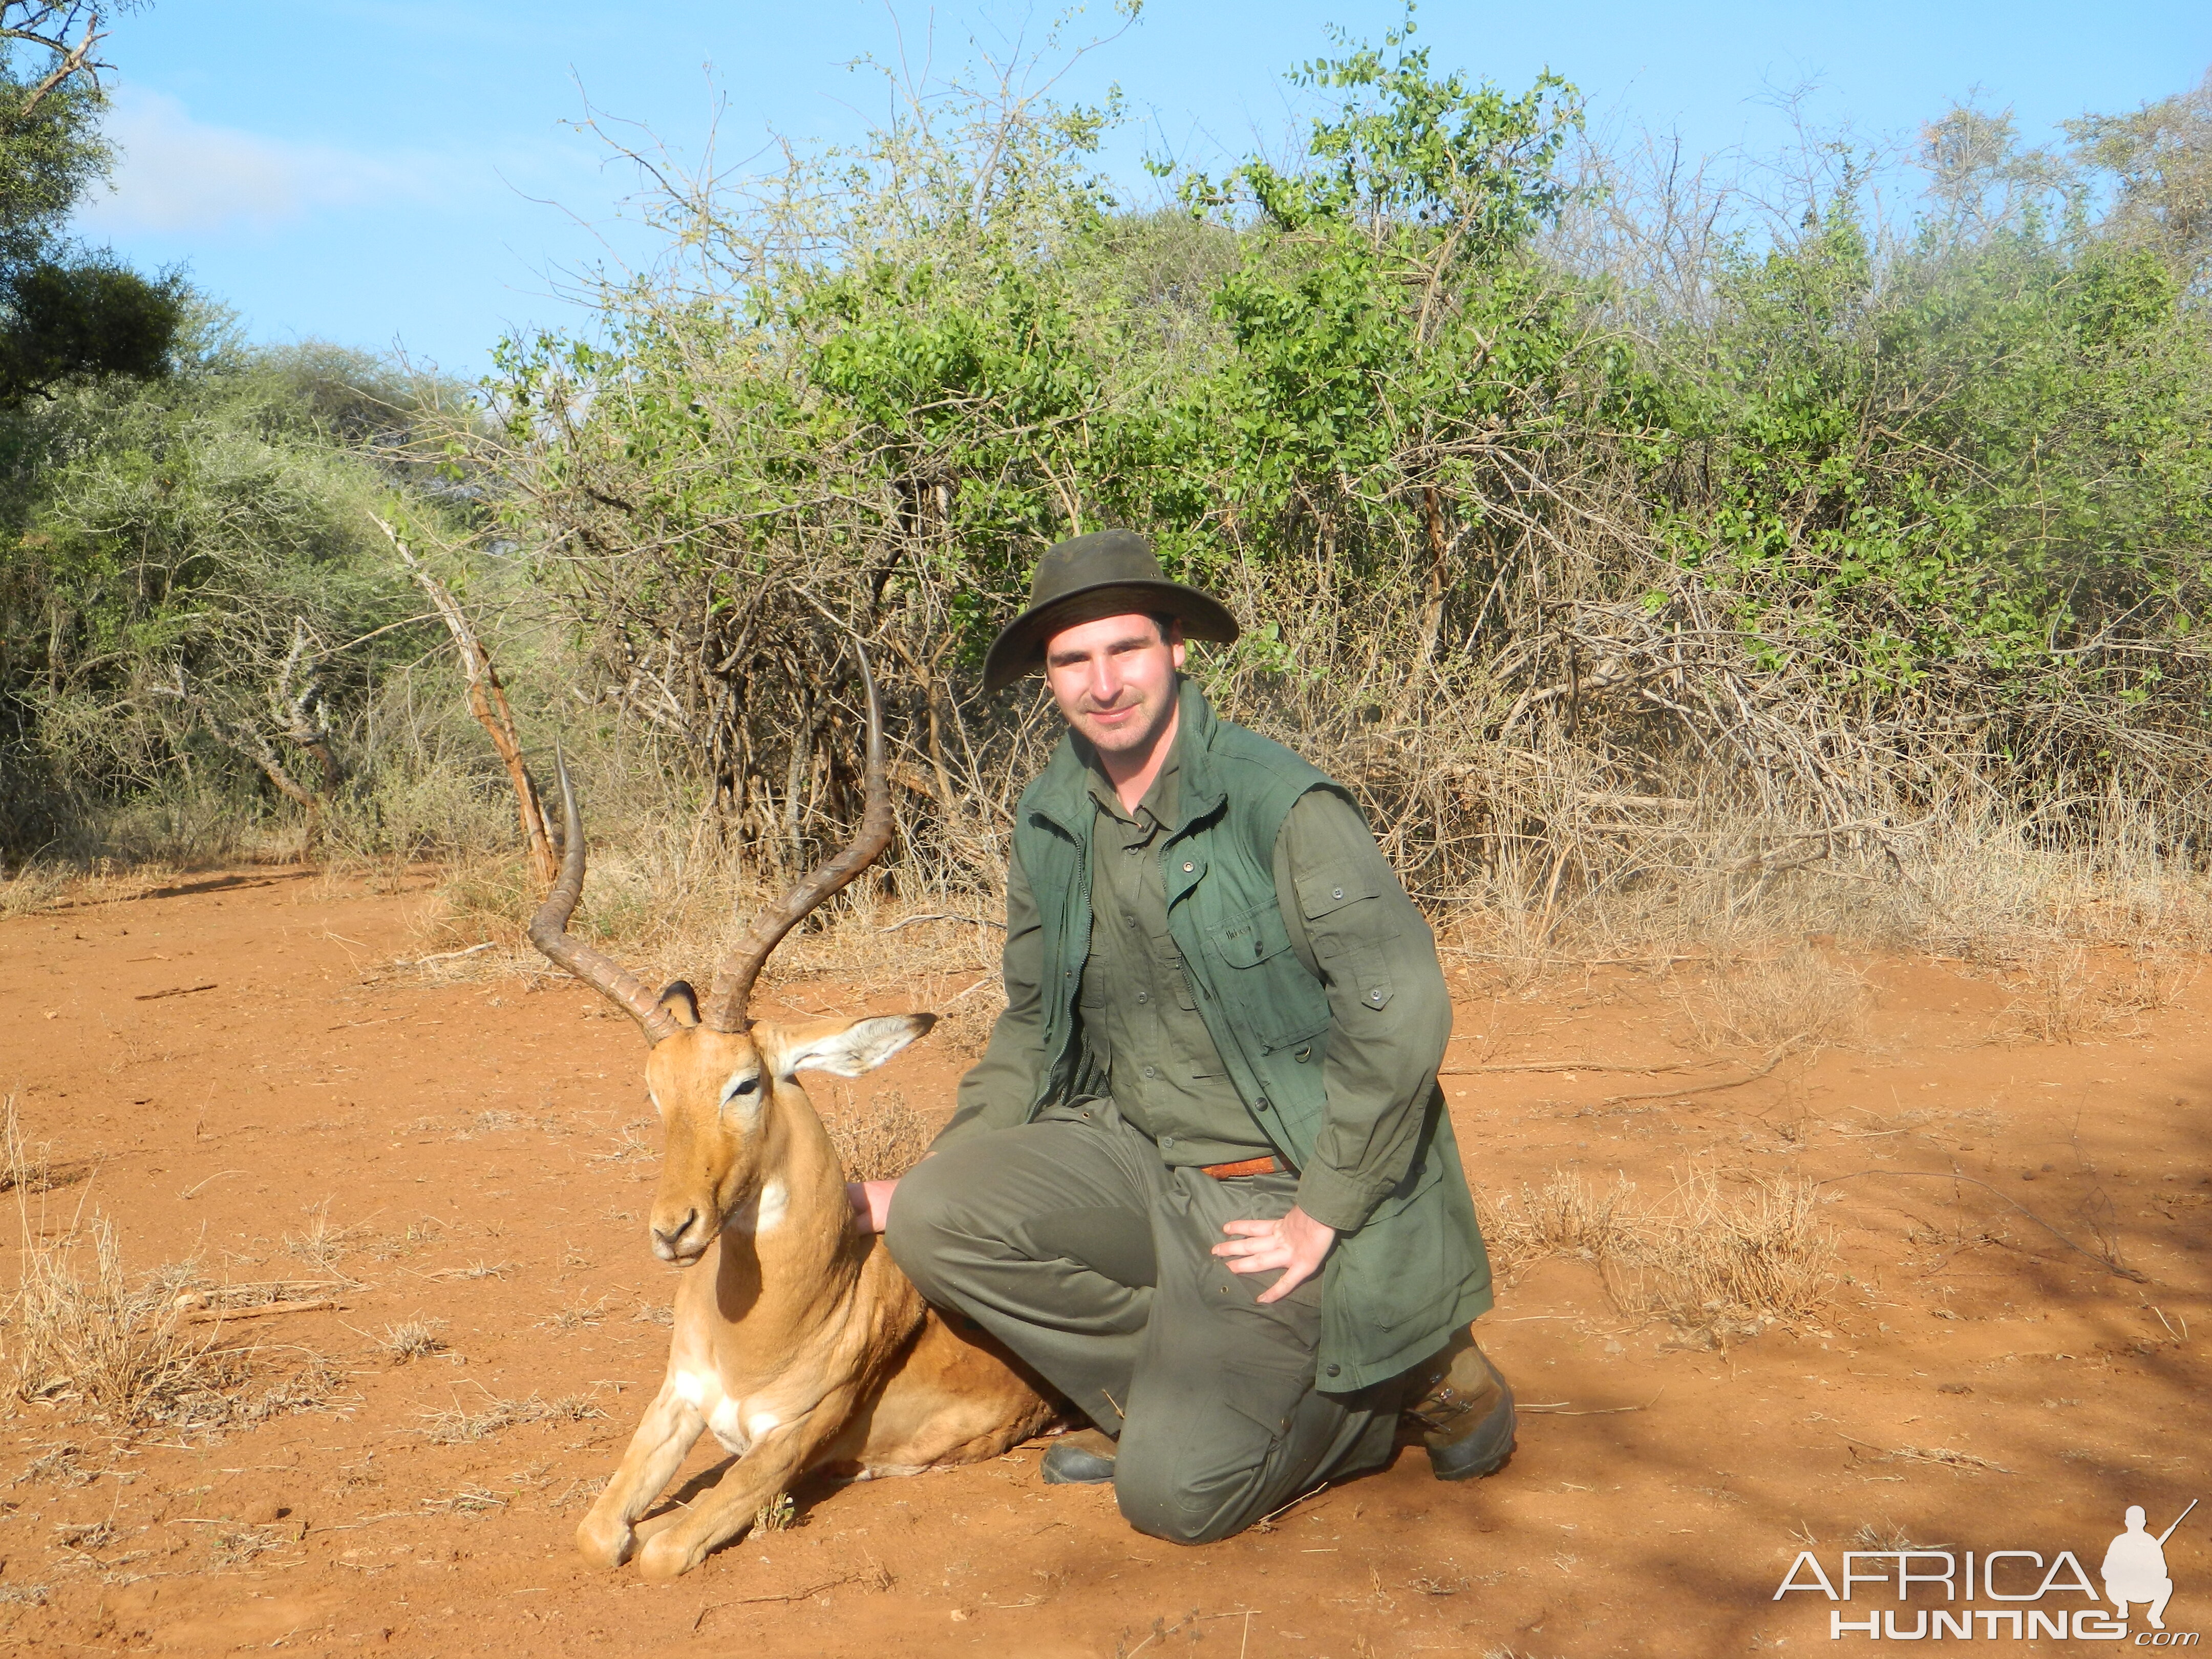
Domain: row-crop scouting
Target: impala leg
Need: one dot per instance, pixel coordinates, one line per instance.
(773, 1465)
(656, 1451)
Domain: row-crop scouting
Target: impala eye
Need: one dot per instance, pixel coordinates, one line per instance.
(747, 1086)
(737, 1087)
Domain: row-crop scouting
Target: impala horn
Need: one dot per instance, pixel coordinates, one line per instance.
(725, 1009)
(549, 928)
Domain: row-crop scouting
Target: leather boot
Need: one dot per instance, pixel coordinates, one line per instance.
(1462, 1410)
(1084, 1458)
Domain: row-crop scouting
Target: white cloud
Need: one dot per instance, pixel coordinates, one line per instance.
(177, 174)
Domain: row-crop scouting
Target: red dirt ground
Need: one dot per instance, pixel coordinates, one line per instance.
(482, 1155)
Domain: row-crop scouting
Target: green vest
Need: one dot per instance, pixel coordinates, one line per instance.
(1398, 1288)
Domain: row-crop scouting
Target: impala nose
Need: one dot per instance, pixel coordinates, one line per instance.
(667, 1242)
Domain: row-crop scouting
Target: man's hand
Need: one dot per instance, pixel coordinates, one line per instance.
(1298, 1244)
(872, 1203)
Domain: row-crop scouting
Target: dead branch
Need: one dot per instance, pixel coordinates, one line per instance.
(487, 703)
(70, 60)
(267, 1310)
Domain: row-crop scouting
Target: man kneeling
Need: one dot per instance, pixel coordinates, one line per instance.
(1218, 1062)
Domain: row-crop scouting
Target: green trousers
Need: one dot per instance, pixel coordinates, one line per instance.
(1071, 1243)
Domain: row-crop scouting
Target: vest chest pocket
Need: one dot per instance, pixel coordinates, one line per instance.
(1269, 988)
(1248, 939)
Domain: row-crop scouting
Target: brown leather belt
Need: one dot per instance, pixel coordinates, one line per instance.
(1249, 1166)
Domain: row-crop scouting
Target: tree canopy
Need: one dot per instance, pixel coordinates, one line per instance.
(66, 313)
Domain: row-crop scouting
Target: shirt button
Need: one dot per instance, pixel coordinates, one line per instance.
(1144, 996)
(1375, 997)
(1149, 1072)
(1337, 892)
(1187, 868)
(1166, 1141)
(1129, 920)
(1335, 1370)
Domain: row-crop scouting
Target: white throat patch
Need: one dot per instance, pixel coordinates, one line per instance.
(764, 1214)
(774, 1201)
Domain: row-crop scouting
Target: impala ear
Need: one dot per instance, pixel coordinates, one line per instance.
(849, 1048)
(681, 1002)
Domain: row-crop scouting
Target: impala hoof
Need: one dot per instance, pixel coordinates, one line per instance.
(604, 1549)
(663, 1559)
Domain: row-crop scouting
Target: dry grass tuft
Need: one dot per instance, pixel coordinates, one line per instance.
(58, 1463)
(1718, 1263)
(1794, 1001)
(575, 1317)
(320, 1245)
(1736, 1259)
(776, 1515)
(2063, 992)
(237, 1546)
(80, 1337)
(317, 1384)
(32, 889)
(1564, 1218)
(416, 1339)
(459, 1426)
(415, 1236)
(479, 900)
(84, 1534)
(879, 1141)
(94, 1342)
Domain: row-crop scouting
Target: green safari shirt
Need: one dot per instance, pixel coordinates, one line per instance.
(1147, 1044)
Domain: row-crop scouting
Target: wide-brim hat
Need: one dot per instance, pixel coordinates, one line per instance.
(1087, 577)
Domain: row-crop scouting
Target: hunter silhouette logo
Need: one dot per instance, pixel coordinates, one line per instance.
(2134, 1567)
(2035, 1596)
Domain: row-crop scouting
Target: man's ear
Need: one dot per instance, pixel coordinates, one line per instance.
(848, 1048)
(681, 1002)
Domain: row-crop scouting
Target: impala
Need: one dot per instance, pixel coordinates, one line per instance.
(798, 1342)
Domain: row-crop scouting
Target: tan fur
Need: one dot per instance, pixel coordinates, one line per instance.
(799, 1343)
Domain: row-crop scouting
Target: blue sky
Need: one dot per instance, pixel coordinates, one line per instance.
(401, 174)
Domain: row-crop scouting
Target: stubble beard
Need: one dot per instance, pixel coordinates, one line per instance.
(1135, 735)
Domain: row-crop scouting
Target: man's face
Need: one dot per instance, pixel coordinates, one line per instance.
(1114, 679)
